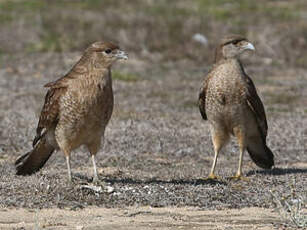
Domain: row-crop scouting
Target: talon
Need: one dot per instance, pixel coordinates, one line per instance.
(212, 177)
(95, 180)
(239, 177)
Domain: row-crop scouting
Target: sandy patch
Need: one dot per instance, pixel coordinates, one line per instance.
(139, 218)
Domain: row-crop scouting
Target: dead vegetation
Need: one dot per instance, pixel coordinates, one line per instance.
(157, 146)
(291, 206)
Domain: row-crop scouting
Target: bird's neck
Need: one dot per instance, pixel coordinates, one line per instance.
(95, 81)
(96, 74)
(218, 54)
(100, 65)
(232, 61)
(98, 69)
(100, 73)
(230, 65)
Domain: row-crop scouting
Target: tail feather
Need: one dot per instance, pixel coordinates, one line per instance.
(260, 154)
(34, 160)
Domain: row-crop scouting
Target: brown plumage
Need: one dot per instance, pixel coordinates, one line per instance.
(77, 109)
(229, 101)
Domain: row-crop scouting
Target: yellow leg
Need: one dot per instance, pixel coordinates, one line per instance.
(239, 172)
(241, 141)
(219, 139)
(239, 175)
(212, 176)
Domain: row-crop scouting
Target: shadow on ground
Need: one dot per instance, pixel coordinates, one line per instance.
(278, 171)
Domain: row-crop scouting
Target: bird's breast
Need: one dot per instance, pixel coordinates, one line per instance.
(87, 106)
(225, 91)
(226, 95)
(227, 85)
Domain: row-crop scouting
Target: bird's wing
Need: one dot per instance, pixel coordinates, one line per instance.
(50, 111)
(63, 82)
(202, 97)
(255, 104)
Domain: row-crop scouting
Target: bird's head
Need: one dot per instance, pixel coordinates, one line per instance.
(104, 54)
(232, 46)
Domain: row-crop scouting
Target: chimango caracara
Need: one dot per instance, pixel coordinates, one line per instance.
(77, 109)
(229, 101)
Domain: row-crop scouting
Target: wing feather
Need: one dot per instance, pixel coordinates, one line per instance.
(202, 97)
(50, 112)
(255, 104)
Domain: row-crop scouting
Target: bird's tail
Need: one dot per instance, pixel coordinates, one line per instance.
(260, 153)
(34, 160)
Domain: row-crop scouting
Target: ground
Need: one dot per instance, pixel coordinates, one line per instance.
(157, 148)
(140, 218)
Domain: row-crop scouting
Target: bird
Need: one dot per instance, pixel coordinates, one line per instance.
(77, 109)
(228, 99)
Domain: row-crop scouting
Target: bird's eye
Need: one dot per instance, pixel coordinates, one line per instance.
(108, 51)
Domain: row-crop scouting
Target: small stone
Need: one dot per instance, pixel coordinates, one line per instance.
(200, 38)
(96, 189)
(109, 189)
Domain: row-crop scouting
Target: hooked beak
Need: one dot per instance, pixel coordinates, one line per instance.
(249, 46)
(121, 55)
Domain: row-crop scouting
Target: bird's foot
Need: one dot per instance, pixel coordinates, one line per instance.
(102, 183)
(239, 177)
(104, 186)
(95, 180)
(70, 180)
(212, 177)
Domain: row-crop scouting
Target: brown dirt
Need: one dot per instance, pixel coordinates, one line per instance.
(157, 148)
(144, 218)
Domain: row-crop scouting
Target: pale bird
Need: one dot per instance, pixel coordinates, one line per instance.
(229, 101)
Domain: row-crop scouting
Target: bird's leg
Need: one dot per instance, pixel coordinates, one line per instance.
(212, 176)
(218, 139)
(95, 177)
(66, 150)
(93, 149)
(239, 175)
(68, 168)
(239, 172)
(241, 141)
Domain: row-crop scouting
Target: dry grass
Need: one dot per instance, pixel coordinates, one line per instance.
(291, 207)
(157, 146)
(162, 27)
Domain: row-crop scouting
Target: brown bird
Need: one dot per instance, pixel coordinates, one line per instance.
(229, 101)
(77, 109)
